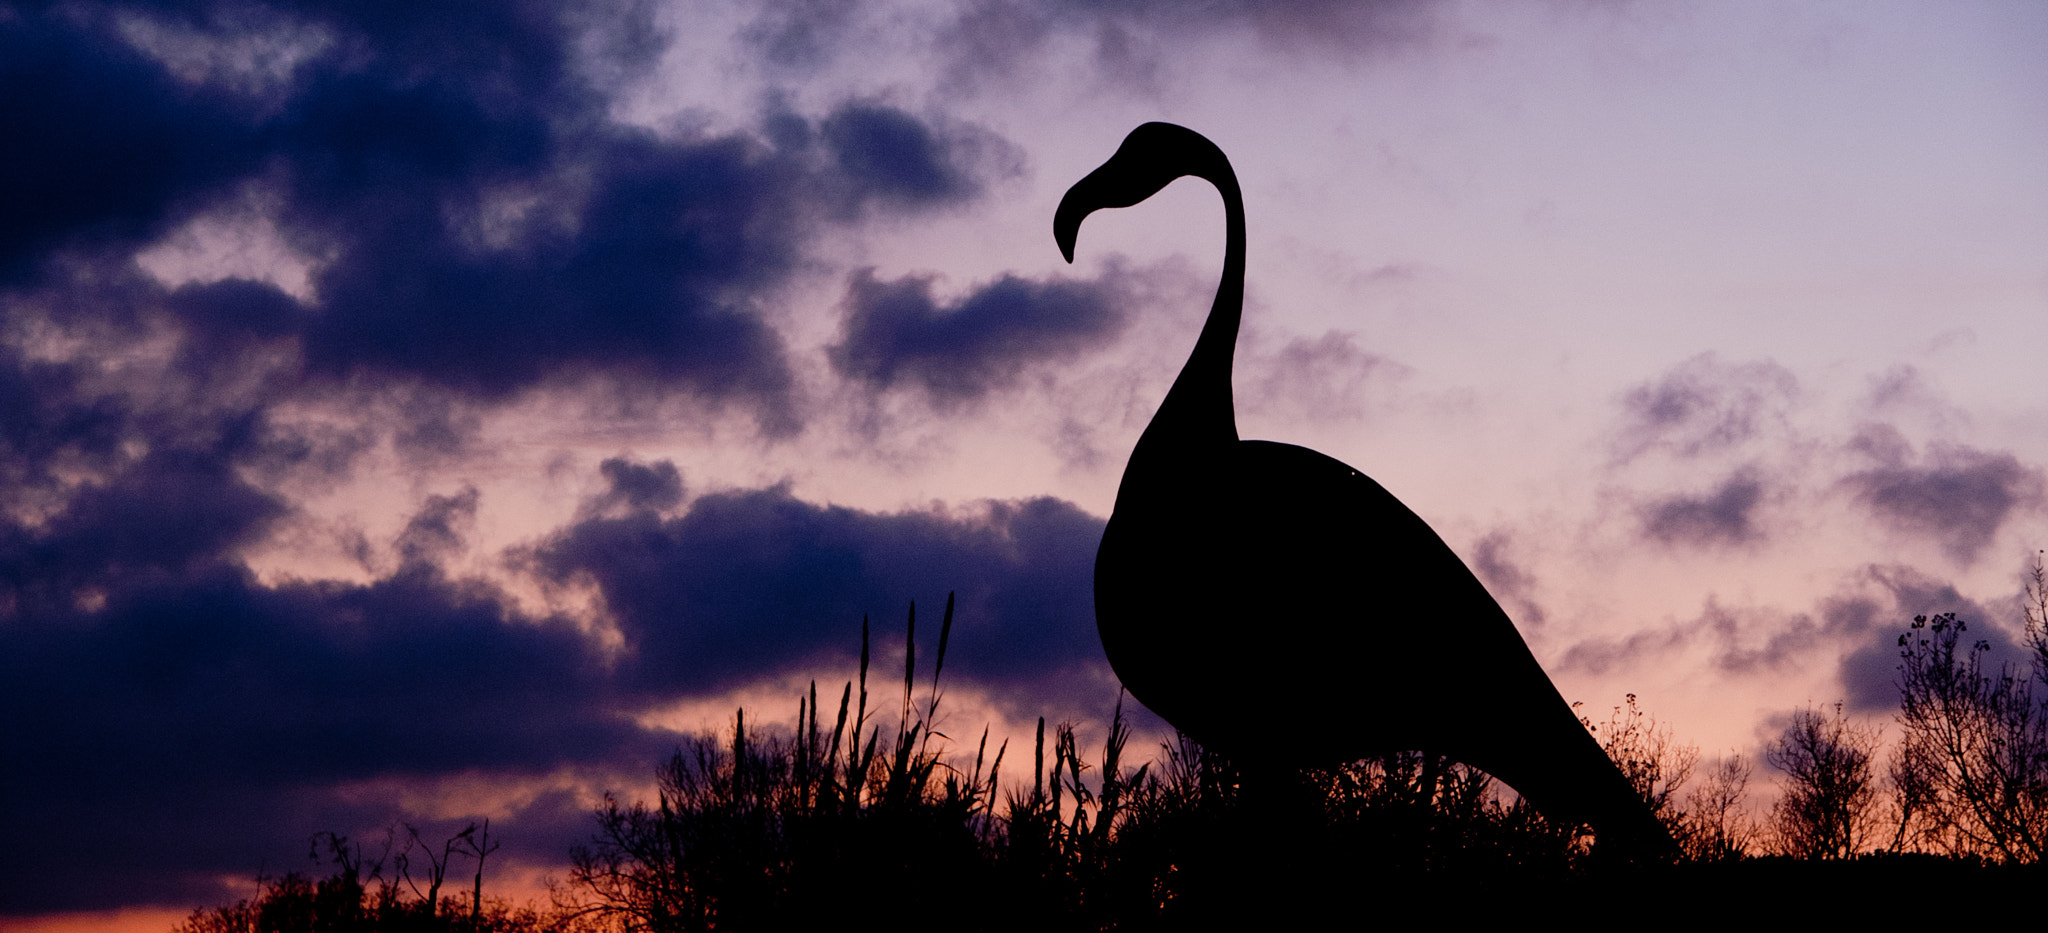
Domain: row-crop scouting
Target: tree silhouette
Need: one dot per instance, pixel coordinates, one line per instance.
(1973, 769)
(1828, 807)
(358, 897)
(1716, 828)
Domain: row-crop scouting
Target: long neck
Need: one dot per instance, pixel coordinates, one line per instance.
(1198, 412)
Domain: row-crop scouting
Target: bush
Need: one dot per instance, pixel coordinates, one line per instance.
(770, 833)
(359, 897)
(1828, 807)
(1715, 827)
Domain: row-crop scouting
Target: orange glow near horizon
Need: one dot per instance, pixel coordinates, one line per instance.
(130, 920)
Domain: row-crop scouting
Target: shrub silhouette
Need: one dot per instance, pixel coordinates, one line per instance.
(766, 833)
(859, 822)
(1828, 808)
(783, 830)
(361, 897)
(753, 832)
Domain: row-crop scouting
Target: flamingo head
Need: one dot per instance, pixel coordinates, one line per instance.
(1151, 158)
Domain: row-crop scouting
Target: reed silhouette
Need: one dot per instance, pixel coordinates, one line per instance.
(860, 824)
(1237, 578)
(766, 829)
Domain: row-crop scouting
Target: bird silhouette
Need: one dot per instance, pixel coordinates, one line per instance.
(1283, 608)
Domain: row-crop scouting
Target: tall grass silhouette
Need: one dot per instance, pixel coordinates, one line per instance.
(865, 823)
(753, 831)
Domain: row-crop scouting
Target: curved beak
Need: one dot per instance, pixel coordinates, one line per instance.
(1086, 197)
(1151, 157)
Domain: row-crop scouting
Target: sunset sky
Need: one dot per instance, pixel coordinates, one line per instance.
(430, 415)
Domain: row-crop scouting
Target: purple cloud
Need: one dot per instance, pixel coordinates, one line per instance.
(1703, 406)
(1723, 517)
(897, 333)
(1957, 495)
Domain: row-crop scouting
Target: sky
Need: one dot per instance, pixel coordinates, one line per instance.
(425, 413)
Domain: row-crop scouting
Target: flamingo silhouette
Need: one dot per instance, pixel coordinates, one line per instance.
(1281, 607)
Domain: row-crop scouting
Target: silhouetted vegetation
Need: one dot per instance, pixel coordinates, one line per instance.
(1717, 828)
(780, 832)
(773, 829)
(1972, 771)
(1828, 808)
(379, 893)
(764, 833)
(753, 831)
(1655, 765)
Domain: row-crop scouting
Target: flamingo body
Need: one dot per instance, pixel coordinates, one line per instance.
(1281, 606)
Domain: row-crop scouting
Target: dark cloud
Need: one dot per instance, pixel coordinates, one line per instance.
(1600, 655)
(1959, 496)
(1882, 443)
(202, 718)
(669, 234)
(170, 508)
(1336, 26)
(235, 313)
(457, 258)
(1725, 516)
(799, 34)
(897, 333)
(48, 413)
(641, 488)
(231, 328)
(1900, 386)
(103, 144)
(106, 496)
(671, 241)
(1703, 406)
(996, 38)
(435, 532)
(1870, 671)
(1856, 629)
(476, 223)
(1514, 587)
(892, 156)
(1320, 379)
(866, 157)
(747, 584)
(993, 39)
(1864, 617)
